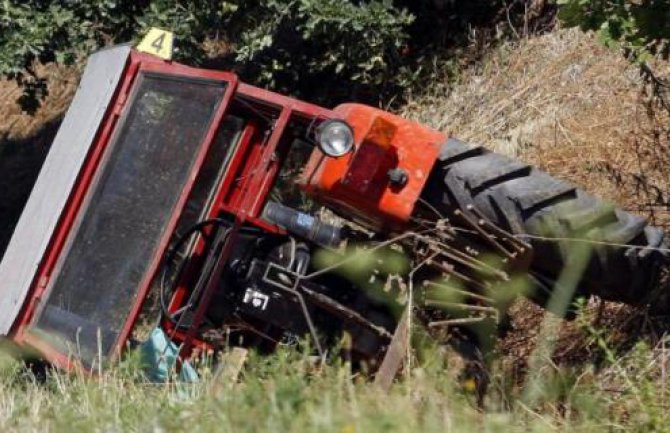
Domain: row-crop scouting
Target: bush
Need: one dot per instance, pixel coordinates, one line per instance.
(283, 44)
(640, 28)
(326, 51)
(42, 31)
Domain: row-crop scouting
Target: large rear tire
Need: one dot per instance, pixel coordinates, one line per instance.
(530, 203)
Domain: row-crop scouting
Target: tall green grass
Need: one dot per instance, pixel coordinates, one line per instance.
(287, 392)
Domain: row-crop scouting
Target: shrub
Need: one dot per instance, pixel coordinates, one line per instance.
(640, 27)
(284, 44)
(326, 51)
(43, 31)
(334, 45)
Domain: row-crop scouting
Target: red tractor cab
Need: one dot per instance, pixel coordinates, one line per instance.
(148, 149)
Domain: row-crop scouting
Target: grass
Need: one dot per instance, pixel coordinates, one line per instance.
(288, 392)
(618, 384)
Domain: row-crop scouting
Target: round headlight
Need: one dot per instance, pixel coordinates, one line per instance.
(335, 138)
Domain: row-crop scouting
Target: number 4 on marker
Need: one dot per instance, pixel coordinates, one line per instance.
(158, 42)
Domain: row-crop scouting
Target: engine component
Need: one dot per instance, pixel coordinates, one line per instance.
(304, 225)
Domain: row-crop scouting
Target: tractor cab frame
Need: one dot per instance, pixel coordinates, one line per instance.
(148, 150)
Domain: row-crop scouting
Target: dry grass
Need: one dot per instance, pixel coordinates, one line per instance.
(567, 104)
(18, 125)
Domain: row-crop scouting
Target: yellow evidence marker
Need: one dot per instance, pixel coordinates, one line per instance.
(158, 42)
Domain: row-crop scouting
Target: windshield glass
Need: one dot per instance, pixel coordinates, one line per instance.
(145, 170)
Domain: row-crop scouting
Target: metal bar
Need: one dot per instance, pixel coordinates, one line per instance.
(337, 309)
(211, 285)
(467, 260)
(458, 305)
(456, 322)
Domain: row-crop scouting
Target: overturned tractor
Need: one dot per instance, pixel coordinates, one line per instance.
(241, 217)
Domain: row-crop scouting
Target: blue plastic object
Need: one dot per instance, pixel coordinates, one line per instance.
(159, 356)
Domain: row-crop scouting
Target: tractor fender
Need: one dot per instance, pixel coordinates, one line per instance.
(380, 181)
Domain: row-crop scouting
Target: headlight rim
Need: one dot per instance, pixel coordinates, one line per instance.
(320, 141)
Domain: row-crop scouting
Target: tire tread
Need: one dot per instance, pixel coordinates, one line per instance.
(525, 200)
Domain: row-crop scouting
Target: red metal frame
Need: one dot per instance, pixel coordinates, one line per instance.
(222, 189)
(66, 222)
(139, 63)
(243, 193)
(300, 108)
(266, 168)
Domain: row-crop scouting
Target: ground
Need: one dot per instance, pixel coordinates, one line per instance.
(560, 101)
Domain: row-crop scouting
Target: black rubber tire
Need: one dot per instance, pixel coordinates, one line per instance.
(526, 201)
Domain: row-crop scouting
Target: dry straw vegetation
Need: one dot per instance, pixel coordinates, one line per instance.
(560, 101)
(16, 124)
(577, 109)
